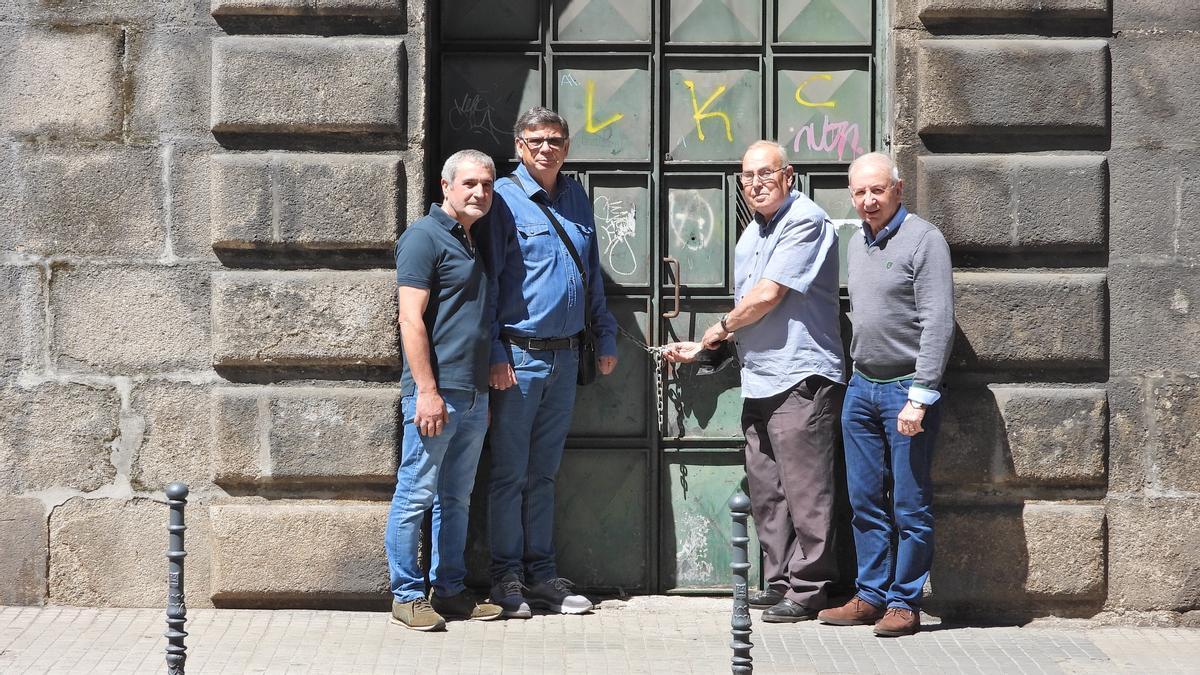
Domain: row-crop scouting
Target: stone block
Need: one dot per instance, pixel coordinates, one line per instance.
(57, 436)
(1012, 87)
(387, 8)
(114, 12)
(1153, 220)
(172, 76)
(61, 83)
(102, 201)
(327, 202)
(1164, 15)
(256, 560)
(23, 540)
(176, 438)
(110, 553)
(970, 441)
(1054, 437)
(1153, 325)
(1022, 436)
(1152, 554)
(1154, 79)
(188, 175)
(305, 319)
(1031, 202)
(129, 319)
(934, 12)
(22, 335)
(336, 436)
(1032, 557)
(319, 85)
(1030, 319)
(1128, 435)
(1174, 449)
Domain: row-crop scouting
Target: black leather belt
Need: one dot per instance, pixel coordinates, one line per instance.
(527, 343)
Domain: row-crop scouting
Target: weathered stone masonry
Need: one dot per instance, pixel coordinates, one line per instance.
(198, 202)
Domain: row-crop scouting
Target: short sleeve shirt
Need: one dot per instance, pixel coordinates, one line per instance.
(434, 254)
(800, 336)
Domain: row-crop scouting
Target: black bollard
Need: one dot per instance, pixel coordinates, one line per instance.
(742, 662)
(176, 608)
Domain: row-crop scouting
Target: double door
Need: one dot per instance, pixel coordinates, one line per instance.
(663, 97)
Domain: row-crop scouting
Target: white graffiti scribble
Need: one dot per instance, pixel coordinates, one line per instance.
(568, 79)
(618, 225)
(691, 559)
(473, 114)
(692, 219)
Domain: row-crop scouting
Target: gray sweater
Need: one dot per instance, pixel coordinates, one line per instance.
(902, 304)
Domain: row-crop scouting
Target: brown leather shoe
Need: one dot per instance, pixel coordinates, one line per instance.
(898, 621)
(857, 612)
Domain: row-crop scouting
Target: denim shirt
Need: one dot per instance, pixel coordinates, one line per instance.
(537, 289)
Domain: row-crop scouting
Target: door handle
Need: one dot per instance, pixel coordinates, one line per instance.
(672, 262)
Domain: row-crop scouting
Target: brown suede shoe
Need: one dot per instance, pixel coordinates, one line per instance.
(898, 621)
(857, 612)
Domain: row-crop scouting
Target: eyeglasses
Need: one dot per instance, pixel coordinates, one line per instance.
(763, 175)
(556, 142)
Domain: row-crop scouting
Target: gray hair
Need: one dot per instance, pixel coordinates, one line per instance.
(450, 168)
(877, 159)
(777, 148)
(540, 116)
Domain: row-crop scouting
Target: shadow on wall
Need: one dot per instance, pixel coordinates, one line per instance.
(1008, 547)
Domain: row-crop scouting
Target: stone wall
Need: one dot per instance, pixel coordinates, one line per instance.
(1051, 142)
(198, 202)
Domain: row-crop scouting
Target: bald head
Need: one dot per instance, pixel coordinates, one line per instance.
(876, 160)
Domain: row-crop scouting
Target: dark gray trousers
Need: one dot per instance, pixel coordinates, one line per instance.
(791, 443)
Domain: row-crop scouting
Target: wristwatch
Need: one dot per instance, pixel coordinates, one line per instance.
(723, 326)
(916, 405)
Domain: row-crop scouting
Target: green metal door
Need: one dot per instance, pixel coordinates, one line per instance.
(662, 96)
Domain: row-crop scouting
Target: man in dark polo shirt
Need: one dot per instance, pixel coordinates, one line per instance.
(442, 296)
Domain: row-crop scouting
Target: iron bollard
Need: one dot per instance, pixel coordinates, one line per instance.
(176, 608)
(742, 662)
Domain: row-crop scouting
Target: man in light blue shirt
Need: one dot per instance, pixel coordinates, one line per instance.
(785, 325)
(541, 308)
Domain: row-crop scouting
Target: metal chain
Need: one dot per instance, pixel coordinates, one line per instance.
(656, 355)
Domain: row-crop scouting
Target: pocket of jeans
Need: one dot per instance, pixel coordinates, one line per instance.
(408, 408)
(520, 357)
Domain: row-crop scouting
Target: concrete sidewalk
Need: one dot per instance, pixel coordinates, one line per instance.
(641, 635)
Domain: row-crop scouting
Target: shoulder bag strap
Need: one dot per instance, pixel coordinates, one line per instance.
(562, 234)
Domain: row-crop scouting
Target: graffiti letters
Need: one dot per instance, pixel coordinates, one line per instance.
(473, 114)
(589, 96)
(699, 114)
(834, 136)
(618, 225)
(809, 104)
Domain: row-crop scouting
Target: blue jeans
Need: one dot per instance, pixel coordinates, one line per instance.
(530, 421)
(891, 493)
(435, 472)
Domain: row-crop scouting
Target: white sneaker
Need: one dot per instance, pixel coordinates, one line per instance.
(556, 596)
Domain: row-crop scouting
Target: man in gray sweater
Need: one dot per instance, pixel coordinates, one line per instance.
(902, 310)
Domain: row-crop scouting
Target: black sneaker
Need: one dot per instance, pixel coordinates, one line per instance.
(556, 596)
(786, 611)
(508, 594)
(463, 606)
(764, 599)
